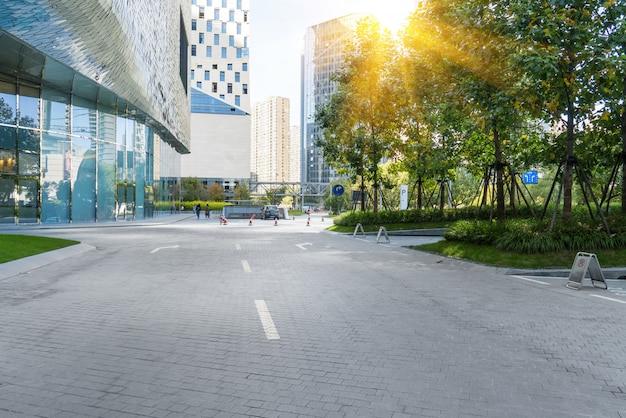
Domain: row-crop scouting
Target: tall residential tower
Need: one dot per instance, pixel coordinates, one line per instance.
(271, 140)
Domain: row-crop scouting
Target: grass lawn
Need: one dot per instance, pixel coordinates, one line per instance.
(13, 247)
(488, 255)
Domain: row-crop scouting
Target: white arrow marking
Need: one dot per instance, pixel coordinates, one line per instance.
(303, 245)
(163, 248)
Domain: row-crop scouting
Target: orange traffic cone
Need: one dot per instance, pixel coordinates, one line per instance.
(250, 223)
(322, 219)
(275, 222)
(308, 222)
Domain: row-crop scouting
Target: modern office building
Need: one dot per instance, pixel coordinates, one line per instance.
(220, 100)
(271, 141)
(323, 55)
(294, 154)
(94, 108)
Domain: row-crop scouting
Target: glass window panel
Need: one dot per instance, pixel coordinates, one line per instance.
(55, 111)
(106, 181)
(28, 164)
(29, 107)
(7, 200)
(8, 164)
(83, 119)
(28, 140)
(7, 103)
(28, 190)
(106, 126)
(8, 137)
(120, 131)
(55, 178)
(83, 180)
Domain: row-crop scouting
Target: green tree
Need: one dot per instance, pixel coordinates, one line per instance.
(557, 41)
(215, 193)
(359, 121)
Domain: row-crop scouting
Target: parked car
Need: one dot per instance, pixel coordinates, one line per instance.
(270, 212)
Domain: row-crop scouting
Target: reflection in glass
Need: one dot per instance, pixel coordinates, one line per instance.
(7, 200)
(8, 136)
(8, 163)
(55, 111)
(106, 181)
(7, 104)
(29, 107)
(83, 119)
(29, 164)
(83, 180)
(28, 140)
(28, 191)
(55, 178)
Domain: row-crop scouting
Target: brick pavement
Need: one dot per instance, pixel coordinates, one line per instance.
(365, 331)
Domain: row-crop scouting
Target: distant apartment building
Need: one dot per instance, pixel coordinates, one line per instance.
(271, 137)
(323, 55)
(220, 87)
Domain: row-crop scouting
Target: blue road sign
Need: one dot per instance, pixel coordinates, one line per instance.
(531, 177)
(337, 189)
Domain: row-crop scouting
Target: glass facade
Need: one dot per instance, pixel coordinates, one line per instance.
(90, 131)
(64, 159)
(323, 55)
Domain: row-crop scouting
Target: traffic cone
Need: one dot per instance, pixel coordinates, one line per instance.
(308, 222)
(322, 219)
(250, 223)
(223, 220)
(275, 222)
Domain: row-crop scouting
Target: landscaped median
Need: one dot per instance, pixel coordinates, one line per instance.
(14, 247)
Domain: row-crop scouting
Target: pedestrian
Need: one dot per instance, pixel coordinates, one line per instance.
(207, 212)
(196, 208)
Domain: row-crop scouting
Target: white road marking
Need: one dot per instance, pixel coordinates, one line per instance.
(531, 280)
(237, 247)
(163, 248)
(266, 320)
(246, 266)
(611, 299)
(303, 245)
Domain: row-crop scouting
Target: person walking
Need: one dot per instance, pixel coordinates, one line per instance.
(197, 209)
(207, 212)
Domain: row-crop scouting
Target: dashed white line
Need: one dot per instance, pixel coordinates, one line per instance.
(611, 299)
(246, 266)
(271, 333)
(531, 280)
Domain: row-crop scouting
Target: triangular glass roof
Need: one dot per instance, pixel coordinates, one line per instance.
(204, 103)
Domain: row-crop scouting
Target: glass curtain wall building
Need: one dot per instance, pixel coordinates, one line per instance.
(94, 108)
(323, 55)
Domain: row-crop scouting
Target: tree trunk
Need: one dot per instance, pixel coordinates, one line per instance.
(362, 194)
(420, 192)
(500, 204)
(623, 159)
(568, 172)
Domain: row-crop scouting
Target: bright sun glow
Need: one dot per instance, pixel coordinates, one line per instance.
(392, 14)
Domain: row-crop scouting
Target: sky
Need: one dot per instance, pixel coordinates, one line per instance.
(277, 28)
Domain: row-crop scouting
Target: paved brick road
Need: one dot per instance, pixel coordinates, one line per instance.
(194, 319)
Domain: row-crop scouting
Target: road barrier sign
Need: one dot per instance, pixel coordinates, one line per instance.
(583, 263)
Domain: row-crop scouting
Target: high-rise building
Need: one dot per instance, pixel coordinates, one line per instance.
(220, 100)
(323, 55)
(294, 154)
(271, 140)
(94, 108)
